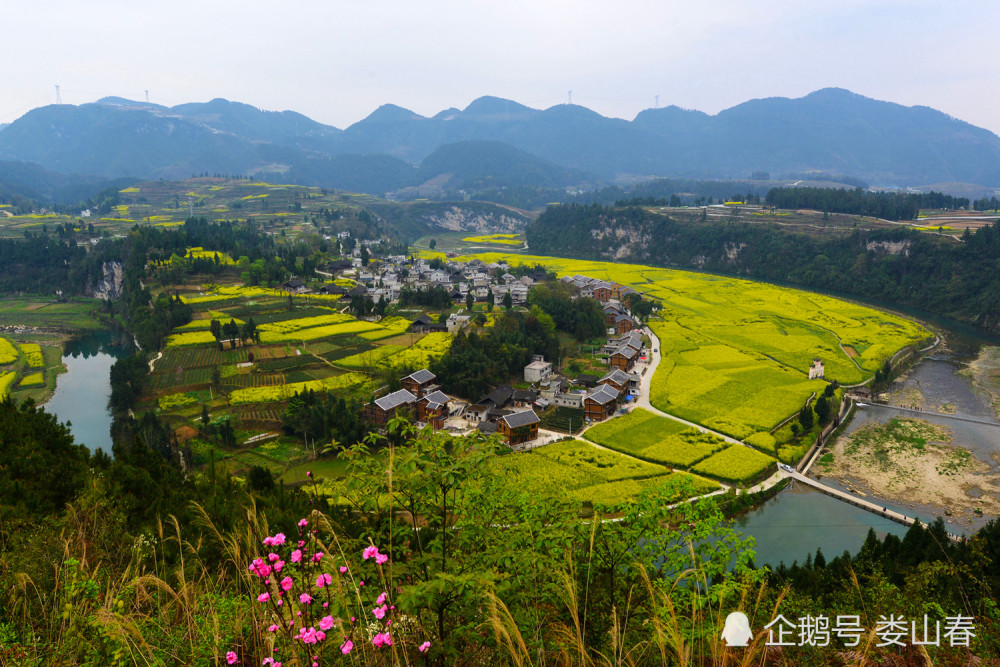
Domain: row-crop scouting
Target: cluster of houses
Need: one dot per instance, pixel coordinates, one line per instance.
(387, 278)
(419, 395)
(507, 411)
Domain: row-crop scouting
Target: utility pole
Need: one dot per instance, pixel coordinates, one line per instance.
(58, 96)
(570, 96)
(655, 106)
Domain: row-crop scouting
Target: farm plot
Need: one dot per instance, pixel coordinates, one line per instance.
(419, 355)
(312, 328)
(288, 363)
(32, 355)
(194, 357)
(187, 338)
(6, 380)
(285, 391)
(179, 378)
(8, 353)
(735, 464)
(728, 390)
(501, 239)
(646, 436)
(588, 474)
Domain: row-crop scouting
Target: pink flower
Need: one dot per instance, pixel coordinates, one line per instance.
(318, 556)
(305, 598)
(326, 623)
(296, 555)
(263, 597)
(369, 552)
(381, 558)
(423, 647)
(382, 639)
(379, 612)
(275, 541)
(273, 556)
(309, 473)
(381, 598)
(272, 628)
(343, 569)
(260, 568)
(320, 635)
(347, 647)
(277, 566)
(303, 523)
(231, 658)
(286, 584)
(323, 580)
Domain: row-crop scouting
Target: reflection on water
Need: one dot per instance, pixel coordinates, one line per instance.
(797, 521)
(81, 395)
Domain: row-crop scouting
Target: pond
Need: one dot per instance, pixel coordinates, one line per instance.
(82, 392)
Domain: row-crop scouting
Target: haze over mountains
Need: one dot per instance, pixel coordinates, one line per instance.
(500, 143)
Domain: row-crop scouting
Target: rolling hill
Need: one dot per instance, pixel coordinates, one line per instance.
(500, 143)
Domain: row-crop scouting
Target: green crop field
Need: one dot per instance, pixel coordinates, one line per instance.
(32, 355)
(658, 439)
(589, 474)
(735, 464)
(736, 353)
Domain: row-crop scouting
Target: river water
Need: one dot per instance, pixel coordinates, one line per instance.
(82, 392)
(799, 520)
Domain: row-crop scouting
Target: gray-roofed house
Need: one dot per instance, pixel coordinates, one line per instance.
(418, 382)
(383, 409)
(519, 427)
(600, 404)
(432, 409)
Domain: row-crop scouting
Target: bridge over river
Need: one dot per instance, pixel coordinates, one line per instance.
(943, 415)
(862, 503)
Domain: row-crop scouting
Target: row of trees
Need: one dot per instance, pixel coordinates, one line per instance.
(887, 205)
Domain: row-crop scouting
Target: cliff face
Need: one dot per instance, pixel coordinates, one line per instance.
(109, 287)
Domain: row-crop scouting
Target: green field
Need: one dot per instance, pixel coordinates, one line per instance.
(657, 439)
(589, 474)
(736, 354)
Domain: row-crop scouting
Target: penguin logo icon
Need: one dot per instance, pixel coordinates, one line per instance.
(737, 629)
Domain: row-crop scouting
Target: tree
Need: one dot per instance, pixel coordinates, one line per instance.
(508, 302)
(470, 299)
(216, 328)
(433, 244)
(823, 409)
(806, 417)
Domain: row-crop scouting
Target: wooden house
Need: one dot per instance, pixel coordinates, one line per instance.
(600, 404)
(383, 409)
(624, 358)
(432, 409)
(519, 427)
(418, 383)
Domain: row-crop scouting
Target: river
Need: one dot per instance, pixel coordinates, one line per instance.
(82, 392)
(799, 520)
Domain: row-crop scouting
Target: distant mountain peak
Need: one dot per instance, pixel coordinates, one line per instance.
(489, 105)
(391, 112)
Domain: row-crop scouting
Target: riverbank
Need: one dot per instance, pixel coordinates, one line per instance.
(984, 371)
(911, 462)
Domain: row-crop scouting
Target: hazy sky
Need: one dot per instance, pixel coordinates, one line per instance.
(336, 60)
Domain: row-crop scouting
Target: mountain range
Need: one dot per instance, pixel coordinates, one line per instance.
(497, 143)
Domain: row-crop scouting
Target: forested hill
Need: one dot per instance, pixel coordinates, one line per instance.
(831, 130)
(897, 266)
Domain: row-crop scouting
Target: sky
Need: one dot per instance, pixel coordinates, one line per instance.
(336, 61)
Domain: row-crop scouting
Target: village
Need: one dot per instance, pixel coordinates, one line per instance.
(514, 411)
